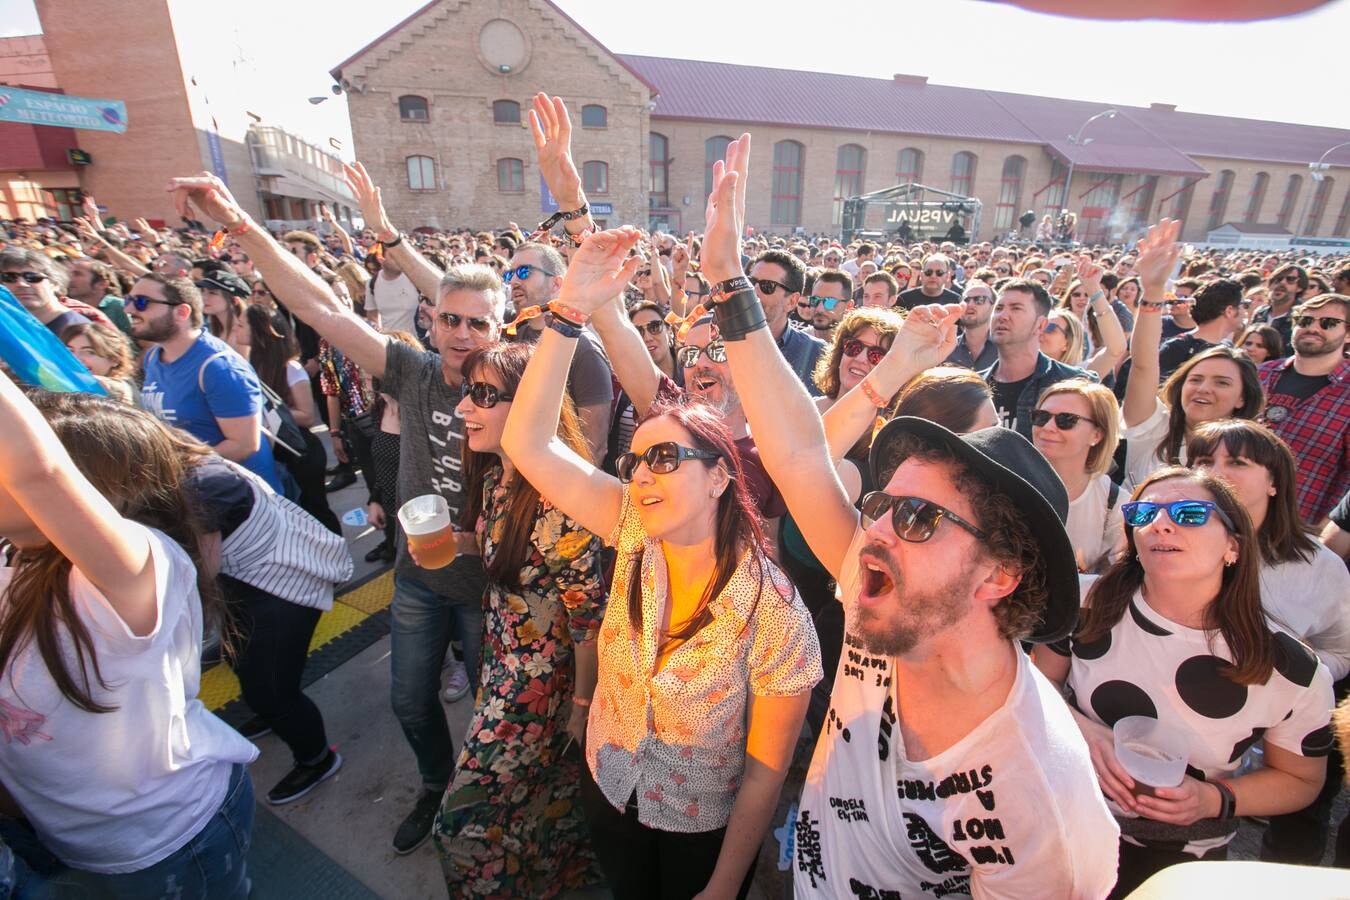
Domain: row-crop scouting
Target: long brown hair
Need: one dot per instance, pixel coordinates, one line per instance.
(885, 322)
(271, 346)
(1283, 535)
(130, 458)
(1235, 612)
(507, 362)
(1253, 398)
(738, 527)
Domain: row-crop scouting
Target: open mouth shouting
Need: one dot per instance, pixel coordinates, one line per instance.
(878, 577)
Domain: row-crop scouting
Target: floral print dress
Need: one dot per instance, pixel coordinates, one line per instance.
(511, 823)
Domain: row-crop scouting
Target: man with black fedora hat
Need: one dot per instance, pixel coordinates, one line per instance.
(948, 764)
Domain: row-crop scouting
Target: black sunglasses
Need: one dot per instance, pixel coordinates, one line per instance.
(1188, 513)
(913, 518)
(716, 351)
(1064, 421)
(28, 277)
(768, 286)
(853, 346)
(661, 459)
(454, 320)
(654, 327)
(1325, 322)
(484, 395)
(140, 302)
(934, 273)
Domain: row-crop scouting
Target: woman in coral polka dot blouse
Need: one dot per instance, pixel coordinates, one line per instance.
(1174, 631)
(707, 654)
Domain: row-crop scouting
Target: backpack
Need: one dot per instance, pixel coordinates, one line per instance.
(288, 440)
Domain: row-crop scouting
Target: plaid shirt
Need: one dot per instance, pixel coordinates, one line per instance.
(1317, 430)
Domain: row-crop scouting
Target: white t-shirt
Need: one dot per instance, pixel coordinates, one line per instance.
(1011, 810)
(1150, 666)
(395, 301)
(1312, 601)
(295, 374)
(120, 791)
(1094, 530)
(1141, 449)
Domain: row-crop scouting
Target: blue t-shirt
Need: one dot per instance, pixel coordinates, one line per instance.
(173, 391)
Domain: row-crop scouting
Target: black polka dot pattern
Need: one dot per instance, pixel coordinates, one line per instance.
(1195, 773)
(1318, 743)
(1204, 688)
(1093, 650)
(1145, 625)
(1114, 700)
(1246, 744)
(1293, 660)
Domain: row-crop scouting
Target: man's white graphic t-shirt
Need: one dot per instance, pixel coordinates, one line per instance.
(1011, 810)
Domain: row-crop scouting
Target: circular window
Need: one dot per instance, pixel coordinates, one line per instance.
(503, 47)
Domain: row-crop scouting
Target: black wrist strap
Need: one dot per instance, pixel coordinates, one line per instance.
(398, 239)
(738, 315)
(562, 326)
(1227, 801)
(560, 216)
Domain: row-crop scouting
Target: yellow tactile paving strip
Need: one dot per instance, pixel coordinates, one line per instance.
(350, 609)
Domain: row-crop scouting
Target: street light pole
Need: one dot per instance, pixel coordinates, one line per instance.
(1315, 170)
(1077, 141)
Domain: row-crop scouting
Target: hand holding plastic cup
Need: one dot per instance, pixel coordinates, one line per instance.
(1153, 753)
(431, 533)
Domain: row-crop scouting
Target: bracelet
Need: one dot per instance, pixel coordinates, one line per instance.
(1150, 306)
(562, 326)
(570, 314)
(1227, 800)
(394, 242)
(1097, 295)
(570, 215)
(724, 289)
(581, 701)
(871, 393)
(739, 314)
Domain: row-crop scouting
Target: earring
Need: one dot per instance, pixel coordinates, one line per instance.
(1229, 561)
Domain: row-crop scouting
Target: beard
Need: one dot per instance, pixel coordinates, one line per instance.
(154, 331)
(1315, 345)
(919, 611)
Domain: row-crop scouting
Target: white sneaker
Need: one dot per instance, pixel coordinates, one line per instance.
(458, 683)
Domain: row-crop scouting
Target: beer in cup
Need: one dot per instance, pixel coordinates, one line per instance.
(431, 534)
(1153, 753)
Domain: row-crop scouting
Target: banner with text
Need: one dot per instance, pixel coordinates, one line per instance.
(62, 110)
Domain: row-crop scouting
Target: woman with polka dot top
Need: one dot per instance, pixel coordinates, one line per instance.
(1175, 631)
(707, 653)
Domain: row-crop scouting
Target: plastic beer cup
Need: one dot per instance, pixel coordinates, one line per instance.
(431, 533)
(1153, 753)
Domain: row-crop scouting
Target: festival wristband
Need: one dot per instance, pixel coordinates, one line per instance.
(724, 289)
(739, 314)
(569, 314)
(563, 327)
(392, 242)
(871, 394)
(1097, 295)
(581, 701)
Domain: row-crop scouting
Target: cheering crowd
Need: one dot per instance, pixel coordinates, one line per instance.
(952, 512)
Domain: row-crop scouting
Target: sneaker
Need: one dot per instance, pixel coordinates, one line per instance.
(458, 684)
(303, 779)
(415, 829)
(378, 552)
(255, 728)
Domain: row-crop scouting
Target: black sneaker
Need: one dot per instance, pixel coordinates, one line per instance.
(255, 728)
(303, 779)
(415, 829)
(378, 552)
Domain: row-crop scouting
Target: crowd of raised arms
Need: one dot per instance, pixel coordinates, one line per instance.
(973, 527)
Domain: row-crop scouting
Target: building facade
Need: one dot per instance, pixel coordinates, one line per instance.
(438, 108)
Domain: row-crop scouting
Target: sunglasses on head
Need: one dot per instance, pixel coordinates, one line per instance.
(483, 394)
(522, 273)
(27, 277)
(1189, 513)
(1326, 323)
(1063, 421)
(655, 327)
(913, 518)
(661, 459)
(140, 302)
(769, 287)
(853, 346)
(716, 351)
(826, 303)
(454, 320)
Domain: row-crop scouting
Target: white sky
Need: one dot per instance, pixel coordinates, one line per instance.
(1283, 69)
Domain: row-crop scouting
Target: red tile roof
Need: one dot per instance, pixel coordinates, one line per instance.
(1154, 140)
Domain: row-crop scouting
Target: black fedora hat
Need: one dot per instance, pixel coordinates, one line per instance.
(1011, 465)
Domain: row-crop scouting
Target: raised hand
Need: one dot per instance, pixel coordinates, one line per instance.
(90, 207)
(1090, 274)
(87, 229)
(209, 194)
(368, 198)
(325, 213)
(551, 127)
(1158, 254)
(599, 269)
(928, 335)
(721, 252)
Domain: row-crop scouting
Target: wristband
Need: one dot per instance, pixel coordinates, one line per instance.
(394, 241)
(739, 314)
(871, 393)
(569, 314)
(1097, 295)
(1227, 800)
(581, 701)
(562, 326)
(1149, 306)
(571, 215)
(724, 289)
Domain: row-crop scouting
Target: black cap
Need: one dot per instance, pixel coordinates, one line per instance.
(1009, 464)
(227, 282)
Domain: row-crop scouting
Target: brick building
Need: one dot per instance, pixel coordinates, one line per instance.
(438, 108)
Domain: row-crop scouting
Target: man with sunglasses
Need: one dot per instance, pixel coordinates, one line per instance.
(1308, 402)
(948, 765)
(39, 284)
(831, 295)
(1286, 287)
(778, 278)
(430, 605)
(973, 348)
(932, 288)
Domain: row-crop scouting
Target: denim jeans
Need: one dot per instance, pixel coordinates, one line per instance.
(211, 866)
(422, 622)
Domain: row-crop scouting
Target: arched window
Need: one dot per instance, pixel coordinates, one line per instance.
(785, 206)
(1056, 191)
(510, 176)
(412, 108)
(850, 164)
(1257, 197)
(909, 166)
(714, 148)
(1009, 194)
(595, 176)
(1141, 200)
(963, 173)
(1291, 191)
(593, 115)
(1181, 201)
(1319, 205)
(658, 196)
(505, 112)
(421, 173)
(1218, 201)
(1343, 220)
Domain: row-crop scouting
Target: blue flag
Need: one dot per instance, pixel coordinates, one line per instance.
(35, 355)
